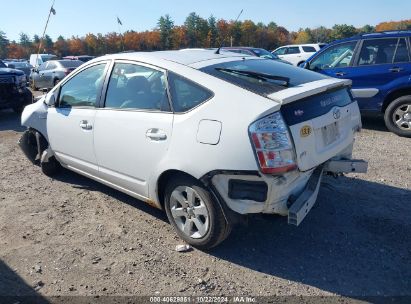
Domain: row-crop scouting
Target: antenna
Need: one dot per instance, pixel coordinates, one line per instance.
(231, 38)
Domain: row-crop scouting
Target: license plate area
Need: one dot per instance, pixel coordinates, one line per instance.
(330, 133)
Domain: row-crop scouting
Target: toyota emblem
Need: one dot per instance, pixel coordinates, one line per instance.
(336, 113)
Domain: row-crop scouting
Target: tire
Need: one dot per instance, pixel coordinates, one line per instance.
(33, 86)
(199, 221)
(18, 109)
(397, 116)
(50, 168)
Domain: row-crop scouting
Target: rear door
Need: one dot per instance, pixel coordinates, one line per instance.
(381, 65)
(134, 126)
(47, 74)
(70, 125)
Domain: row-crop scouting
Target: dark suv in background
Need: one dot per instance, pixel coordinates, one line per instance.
(379, 65)
(13, 91)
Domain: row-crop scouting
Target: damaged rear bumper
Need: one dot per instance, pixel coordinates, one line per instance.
(292, 195)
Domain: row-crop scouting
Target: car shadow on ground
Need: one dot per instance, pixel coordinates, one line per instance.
(374, 123)
(10, 121)
(13, 289)
(355, 242)
(81, 182)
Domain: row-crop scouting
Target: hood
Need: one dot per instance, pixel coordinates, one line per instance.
(10, 72)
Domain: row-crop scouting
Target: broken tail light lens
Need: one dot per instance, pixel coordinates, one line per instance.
(272, 145)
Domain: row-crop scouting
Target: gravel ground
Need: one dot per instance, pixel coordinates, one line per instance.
(72, 236)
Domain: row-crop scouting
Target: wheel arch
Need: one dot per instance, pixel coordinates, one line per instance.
(394, 95)
(163, 180)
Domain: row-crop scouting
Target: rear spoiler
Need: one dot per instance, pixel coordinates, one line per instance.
(308, 89)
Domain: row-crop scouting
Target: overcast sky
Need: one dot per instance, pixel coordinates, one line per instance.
(75, 17)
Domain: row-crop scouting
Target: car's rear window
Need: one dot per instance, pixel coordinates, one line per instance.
(297, 76)
(71, 63)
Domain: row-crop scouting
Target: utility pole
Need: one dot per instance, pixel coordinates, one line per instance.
(231, 37)
(45, 28)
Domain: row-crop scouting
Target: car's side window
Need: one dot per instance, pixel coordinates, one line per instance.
(337, 56)
(186, 94)
(377, 51)
(401, 53)
(309, 49)
(281, 51)
(83, 89)
(137, 87)
(43, 66)
(51, 66)
(293, 50)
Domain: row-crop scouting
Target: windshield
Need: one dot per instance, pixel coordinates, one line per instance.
(71, 63)
(264, 54)
(47, 57)
(259, 85)
(2, 65)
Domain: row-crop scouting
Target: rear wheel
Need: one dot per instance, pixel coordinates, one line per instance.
(398, 116)
(194, 214)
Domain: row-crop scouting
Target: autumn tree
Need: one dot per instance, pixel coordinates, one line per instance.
(303, 36)
(61, 47)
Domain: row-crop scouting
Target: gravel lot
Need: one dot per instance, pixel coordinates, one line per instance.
(73, 236)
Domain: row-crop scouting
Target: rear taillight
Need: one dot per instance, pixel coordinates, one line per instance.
(272, 145)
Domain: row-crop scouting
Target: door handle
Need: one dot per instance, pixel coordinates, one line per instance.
(396, 70)
(339, 74)
(85, 125)
(156, 134)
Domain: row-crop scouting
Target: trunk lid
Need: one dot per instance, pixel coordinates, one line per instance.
(322, 117)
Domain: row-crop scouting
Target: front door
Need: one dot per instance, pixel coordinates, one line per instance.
(70, 124)
(134, 127)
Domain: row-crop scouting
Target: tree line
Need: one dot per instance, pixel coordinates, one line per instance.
(196, 32)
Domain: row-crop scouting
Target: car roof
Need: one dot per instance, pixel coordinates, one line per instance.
(185, 57)
(386, 34)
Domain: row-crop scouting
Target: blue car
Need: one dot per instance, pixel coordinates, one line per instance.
(379, 65)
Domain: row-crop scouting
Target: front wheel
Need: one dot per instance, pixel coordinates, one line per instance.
(194, 214)
(398, 116)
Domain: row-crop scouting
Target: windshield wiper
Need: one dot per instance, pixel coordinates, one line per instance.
(284, 81)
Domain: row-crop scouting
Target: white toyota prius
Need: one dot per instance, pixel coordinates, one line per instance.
(208, 136)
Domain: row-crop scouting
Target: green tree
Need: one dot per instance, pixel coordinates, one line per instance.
(166, 25)
(341, 31)
(4, 43)
(212, 32)
(321, 34)
(25, 43)
(61, 47)
(197, 30)
(367, 29)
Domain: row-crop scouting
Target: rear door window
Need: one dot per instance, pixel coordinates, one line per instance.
(401, 53)
(377, 51)
(281, 51)
(185, 94)
(309, 49)
(137, 87)
(293, 50)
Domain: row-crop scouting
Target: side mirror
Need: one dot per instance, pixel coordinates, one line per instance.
(305, 65)
(50, 100)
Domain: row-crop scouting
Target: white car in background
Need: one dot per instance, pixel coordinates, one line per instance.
(206, 136)
(298, 53)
